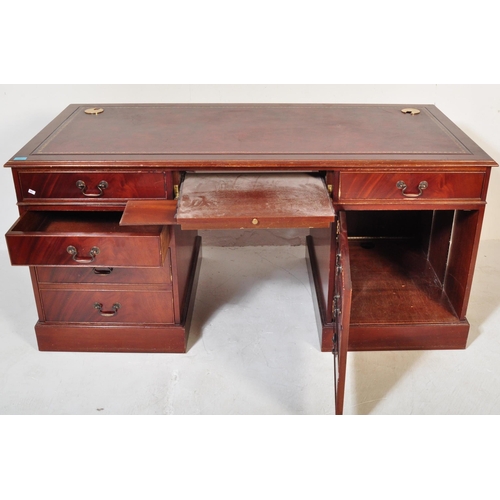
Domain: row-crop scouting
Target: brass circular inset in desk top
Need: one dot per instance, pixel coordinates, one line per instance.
(411, 111)
(94, 111)
(255, 221)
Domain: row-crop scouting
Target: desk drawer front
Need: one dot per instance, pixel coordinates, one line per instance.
(105, 275)
(97, 306)
(90, 187)
(403, 186)
(89, 240)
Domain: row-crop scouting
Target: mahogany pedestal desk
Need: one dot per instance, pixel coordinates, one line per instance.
(111, 198)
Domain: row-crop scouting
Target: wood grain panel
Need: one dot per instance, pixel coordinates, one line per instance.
(114, 338)
(42, 238)
(394, 283)
(35, 185)
(101, 275)
(382, 186)
(149, 212)
(137, 306)
(408, 337)
(321, 253)
(462, 258)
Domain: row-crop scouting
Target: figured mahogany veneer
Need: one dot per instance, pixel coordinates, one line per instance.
(394, 203)
(122, 185)
(117, 337)
(136, 305)
(105, 274)
(383, 186)
(141, 212)
(43, 238)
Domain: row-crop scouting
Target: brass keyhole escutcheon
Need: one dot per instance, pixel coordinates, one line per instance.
(255, 221)
(94, 111)
(410, 111)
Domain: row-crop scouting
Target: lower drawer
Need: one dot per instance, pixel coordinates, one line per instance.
(97, 306)
(98, 275)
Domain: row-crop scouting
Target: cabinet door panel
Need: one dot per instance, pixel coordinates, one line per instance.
(342, 312)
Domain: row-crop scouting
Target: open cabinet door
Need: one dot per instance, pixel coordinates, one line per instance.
(341, 311)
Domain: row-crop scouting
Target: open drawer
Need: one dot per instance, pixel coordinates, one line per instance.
(240, 201)
(84, 239)
(253, 201)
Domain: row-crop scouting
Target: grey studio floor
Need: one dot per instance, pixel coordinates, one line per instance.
(253, 350)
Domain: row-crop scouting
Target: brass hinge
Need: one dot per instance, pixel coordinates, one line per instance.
(176, 191)
(336, 306)
(335, 338)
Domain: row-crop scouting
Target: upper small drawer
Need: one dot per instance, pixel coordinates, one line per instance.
(101, 186)
(402, 186)
(87, 239)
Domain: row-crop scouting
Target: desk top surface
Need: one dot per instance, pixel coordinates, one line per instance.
(250, 135)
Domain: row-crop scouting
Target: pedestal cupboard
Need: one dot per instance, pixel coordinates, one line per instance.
(111, 198)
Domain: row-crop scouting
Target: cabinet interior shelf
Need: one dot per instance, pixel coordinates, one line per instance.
(394, 282)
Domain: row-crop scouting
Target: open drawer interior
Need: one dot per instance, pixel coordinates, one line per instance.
(57, 238)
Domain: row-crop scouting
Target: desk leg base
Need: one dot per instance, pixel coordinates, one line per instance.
(408, 337)
(76, 338)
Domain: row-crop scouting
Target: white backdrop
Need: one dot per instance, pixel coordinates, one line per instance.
(25, 109)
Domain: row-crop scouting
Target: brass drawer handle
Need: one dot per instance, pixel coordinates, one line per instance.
(83, 260)
(107, 314)
(401, 185)
(103, 271)
(83, 188)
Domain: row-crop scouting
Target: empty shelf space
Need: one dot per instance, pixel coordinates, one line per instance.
(394, 283)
